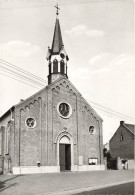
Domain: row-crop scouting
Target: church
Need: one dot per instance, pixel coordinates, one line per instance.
(55, 129)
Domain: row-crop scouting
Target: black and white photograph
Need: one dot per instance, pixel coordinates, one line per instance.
(67, 97)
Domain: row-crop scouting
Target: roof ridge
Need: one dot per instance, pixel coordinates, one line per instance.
(129, 124)
(128, 128)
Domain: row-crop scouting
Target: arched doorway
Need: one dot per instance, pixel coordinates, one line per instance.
(65, 154)
(65, 143)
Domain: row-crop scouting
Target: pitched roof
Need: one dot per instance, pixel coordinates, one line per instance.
(64, 78)
(130, 127)
(45, 88)
(57, 39)
(7, 112)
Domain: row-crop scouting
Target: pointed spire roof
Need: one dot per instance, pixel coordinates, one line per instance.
(57, 44)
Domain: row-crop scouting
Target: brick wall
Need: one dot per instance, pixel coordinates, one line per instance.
(123, 149)
(7, 141)
(39, 143)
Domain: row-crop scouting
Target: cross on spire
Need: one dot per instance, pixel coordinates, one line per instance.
(57, 13)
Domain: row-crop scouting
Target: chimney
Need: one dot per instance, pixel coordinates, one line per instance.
(122, 122)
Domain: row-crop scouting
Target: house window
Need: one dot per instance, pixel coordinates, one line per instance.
(30, 122)
(92, 161)
(91, 129)
(121, 138)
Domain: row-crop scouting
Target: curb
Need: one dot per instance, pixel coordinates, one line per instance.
(75, 191)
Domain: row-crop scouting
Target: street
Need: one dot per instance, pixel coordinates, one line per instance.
(62, 183)
(123, 189)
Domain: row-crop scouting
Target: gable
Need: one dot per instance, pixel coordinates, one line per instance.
(64, 82)
(7, 113)
(25, 103)
(31, 98)
(122, 130)
(130, 127)
(63, 85)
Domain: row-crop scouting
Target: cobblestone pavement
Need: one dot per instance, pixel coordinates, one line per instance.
(61, 183)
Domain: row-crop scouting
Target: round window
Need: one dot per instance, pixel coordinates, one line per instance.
(64, 110)
(30, 122)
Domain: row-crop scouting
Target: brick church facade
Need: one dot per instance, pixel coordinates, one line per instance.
(55, 129)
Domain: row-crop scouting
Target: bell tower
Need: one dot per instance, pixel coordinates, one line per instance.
(57, 56)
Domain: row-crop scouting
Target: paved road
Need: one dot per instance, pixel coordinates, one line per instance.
(61, 183)
(123, 189)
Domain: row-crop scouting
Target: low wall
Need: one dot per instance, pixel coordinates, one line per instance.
(54, 169)
(91, 167)
(131, 164)
(35, 169)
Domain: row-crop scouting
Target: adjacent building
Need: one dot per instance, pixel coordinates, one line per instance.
(122, 145)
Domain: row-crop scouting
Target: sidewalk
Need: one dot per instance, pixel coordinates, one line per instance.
(62, 183)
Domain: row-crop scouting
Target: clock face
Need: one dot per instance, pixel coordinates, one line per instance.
(64, 109)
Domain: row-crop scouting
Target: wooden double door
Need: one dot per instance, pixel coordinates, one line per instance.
(65, 157)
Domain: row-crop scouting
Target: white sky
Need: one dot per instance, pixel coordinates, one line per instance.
(98, 38)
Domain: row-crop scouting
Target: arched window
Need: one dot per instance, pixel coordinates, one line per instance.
(55, 66)
(50, 68)
(62, 67)
(66, 69)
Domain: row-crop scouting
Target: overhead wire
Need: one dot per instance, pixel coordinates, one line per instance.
(11, 65)
(100, 107)
(19, 80)
(105, 109)
(19, 75)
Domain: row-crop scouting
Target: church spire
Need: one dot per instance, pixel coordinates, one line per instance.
(57, 44)
(57, 56)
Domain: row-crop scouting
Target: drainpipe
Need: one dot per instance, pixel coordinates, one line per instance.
(99, 141)
(19, 135)
(77, 129)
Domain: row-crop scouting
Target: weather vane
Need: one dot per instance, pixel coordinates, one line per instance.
(57, 9)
